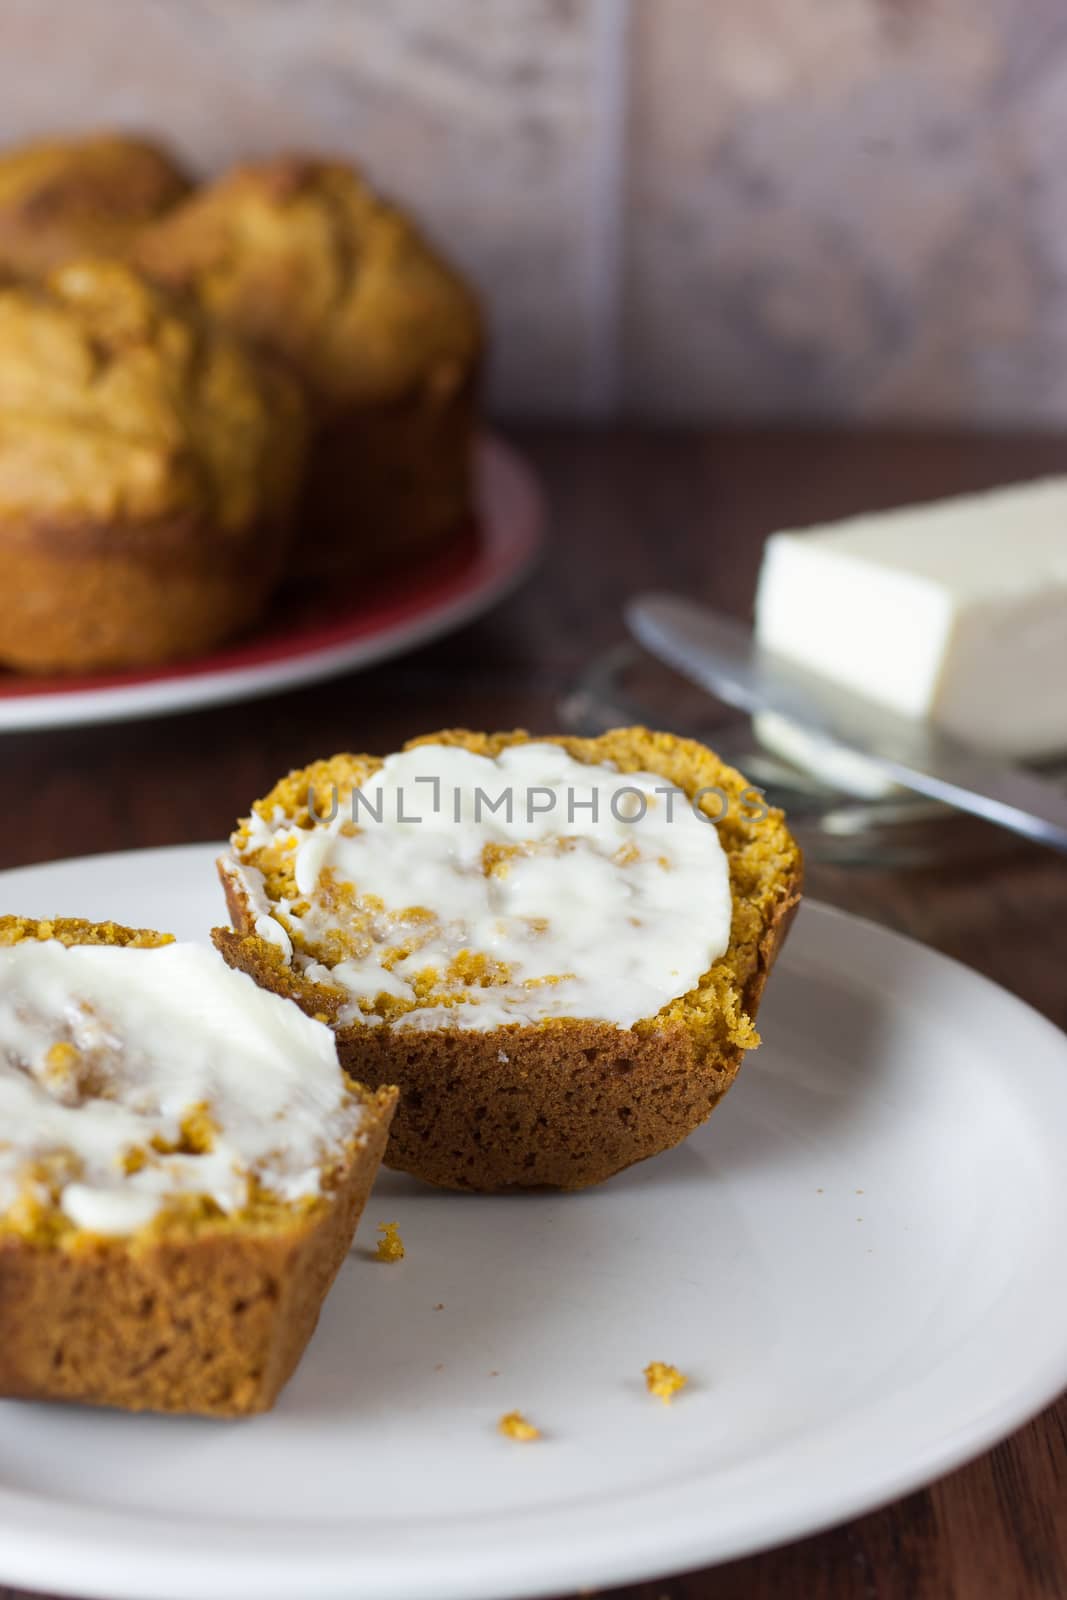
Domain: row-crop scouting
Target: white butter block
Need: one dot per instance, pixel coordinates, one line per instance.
(954, 612)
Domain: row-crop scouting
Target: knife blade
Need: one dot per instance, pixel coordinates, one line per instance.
(722, 656)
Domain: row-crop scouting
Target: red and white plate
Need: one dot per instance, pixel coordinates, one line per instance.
(369, 623)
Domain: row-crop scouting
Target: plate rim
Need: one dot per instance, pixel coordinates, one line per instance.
(510, 548)
(125, 1549)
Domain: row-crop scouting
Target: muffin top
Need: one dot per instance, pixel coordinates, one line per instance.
(143, 1081)
(304, 258)
(61, 198)
(495, 909)
(121, 405)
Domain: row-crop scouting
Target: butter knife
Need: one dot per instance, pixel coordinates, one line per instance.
(721, 655)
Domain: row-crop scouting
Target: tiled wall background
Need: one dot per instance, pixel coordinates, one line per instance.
(677, 208)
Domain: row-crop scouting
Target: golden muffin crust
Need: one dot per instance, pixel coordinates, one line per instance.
(564, 1102)
(148, 466)
(75, 930)
(61, 198)
(117, 403)
(305, 258)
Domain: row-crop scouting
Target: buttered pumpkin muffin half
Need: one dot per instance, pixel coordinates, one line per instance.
(305, 259)
(148, 467)
(555, 947)
(182, 1169)
(66, 198)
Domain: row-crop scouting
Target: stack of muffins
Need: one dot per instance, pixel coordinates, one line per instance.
(204, 389)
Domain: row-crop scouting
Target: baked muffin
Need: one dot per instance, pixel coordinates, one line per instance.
(548, 945)
(62, 198)
(304, 258)
(148, 465)
(182, 1168)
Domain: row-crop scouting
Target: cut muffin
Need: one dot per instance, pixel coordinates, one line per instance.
(182, 1168)
(305, 259)
(64, 198)
(148, 465)
(557, 990)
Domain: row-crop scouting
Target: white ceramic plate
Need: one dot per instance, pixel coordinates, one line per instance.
(858, 1261)
(305, 638)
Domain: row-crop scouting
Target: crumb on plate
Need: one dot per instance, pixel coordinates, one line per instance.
(513, 1425)
(664, 1381)
(390, 1245)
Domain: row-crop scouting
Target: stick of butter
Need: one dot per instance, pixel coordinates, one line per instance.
(954, 612)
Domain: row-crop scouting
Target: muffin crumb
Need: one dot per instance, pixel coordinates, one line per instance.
(664, 1381)
(513, 1425)
(390, 1245)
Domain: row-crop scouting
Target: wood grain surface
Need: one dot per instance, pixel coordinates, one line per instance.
(630, 510)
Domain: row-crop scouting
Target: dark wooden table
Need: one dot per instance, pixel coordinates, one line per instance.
(630, 510)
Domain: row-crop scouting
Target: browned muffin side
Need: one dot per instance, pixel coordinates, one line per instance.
(563, 1103)
(305, 259)
(65, 198)
(197, 1310)
(148, 467)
